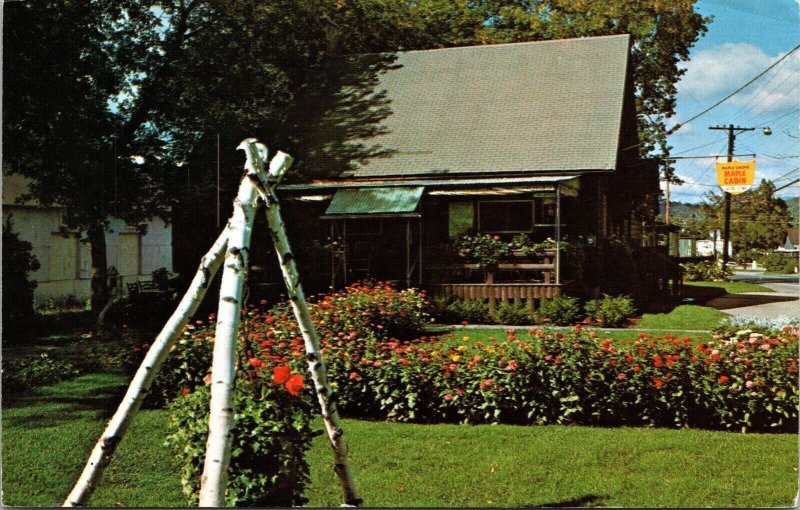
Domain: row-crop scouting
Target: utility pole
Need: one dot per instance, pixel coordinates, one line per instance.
(726, 234)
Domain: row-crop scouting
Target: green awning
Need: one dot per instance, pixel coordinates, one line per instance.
(394, 201)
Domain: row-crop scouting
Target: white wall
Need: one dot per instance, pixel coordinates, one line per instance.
(37, 225)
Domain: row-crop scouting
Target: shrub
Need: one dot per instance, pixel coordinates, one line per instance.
(18, 262)
(21, 374)
(371, 305)
(705, 272)
(511, 314)
(611, 311)
(560, 310)
(784, 263)
(472, 311)
(271, 434)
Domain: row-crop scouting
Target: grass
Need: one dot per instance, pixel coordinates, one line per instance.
(683, 317)
(48, 433)
(469, 336)
(732, 287)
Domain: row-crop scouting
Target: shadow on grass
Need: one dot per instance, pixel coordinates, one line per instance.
(729, 301)
(56, 405)
(587, 501)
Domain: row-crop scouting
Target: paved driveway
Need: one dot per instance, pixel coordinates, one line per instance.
(767, 305)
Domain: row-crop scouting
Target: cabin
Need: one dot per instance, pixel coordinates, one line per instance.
(412, 159)
(65, 262)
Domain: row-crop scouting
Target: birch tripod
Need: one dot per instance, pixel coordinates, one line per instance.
(231, 247)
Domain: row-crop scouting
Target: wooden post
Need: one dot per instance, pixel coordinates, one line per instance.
(214, 481)
(316, 364)
(145, 375)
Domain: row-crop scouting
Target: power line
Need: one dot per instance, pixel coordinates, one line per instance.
(759, 75)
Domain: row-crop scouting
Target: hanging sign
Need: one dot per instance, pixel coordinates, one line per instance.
(736, 176)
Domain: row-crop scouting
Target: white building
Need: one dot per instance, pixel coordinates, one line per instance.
(65, 261)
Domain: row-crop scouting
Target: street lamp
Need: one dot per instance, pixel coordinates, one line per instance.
(732, 132)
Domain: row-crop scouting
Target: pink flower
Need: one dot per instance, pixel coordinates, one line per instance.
(448, 397)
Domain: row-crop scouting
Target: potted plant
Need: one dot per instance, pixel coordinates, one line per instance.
(485, 250)
(520, 246)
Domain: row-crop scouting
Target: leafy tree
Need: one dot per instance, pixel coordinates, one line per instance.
(663, 31)
(759, 219)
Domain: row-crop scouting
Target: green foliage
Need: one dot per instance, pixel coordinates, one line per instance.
(485, 250)
(759, 218)
(458, 311)
(18, 262)
(271, 434)
(739, 383)
(611, 311)
(20, 374)
(371, 305)
(560, 310)
(784, 263)
(708, 270)
(511, 314)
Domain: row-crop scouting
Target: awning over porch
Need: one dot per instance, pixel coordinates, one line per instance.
(373, 201)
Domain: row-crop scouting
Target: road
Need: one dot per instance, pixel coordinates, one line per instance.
(783, 302)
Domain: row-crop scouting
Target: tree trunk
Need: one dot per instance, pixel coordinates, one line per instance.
(316, 365)
(97, 249)
(214, 481)
(145, 375)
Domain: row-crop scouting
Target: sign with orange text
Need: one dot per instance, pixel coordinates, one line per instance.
(736, 176)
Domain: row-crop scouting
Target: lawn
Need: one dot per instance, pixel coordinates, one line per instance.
(683, 317)
(48, 433)
(732, 287)
(469, 335)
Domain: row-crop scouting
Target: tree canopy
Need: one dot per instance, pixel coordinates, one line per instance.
(759, 219)
(106, 101)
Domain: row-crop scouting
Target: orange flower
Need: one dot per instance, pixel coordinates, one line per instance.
(295, 385)
(281, 374)
(722, 379)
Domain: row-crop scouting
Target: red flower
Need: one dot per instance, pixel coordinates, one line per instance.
(486, 384)
(185, 392)
(255, 363)
(658, 361)
(722, 379)
(448, 397)
(658, 383)
(354, 376)
(281, 374)
(620, 376)
(295, 385)
(636, 368)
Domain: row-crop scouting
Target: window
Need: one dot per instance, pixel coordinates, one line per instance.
(460, 215)
(63, 257)
(505, 216)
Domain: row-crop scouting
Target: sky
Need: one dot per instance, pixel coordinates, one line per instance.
(744, 39)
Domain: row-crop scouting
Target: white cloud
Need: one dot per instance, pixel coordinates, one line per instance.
(718, 71)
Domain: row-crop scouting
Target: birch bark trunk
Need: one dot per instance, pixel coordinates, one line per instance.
(316, 365)
(214, 481)
(145, 375)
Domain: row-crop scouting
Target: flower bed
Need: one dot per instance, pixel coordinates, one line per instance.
(741, 381)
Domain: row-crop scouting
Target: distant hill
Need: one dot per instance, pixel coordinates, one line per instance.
(680, 209)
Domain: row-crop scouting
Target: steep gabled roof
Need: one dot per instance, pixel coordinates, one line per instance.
(538, 107)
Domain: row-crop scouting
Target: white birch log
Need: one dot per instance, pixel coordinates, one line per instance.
(316, 365)
(145, 375)
(214, 481)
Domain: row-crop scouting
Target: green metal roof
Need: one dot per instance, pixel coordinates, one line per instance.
(358, 201)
